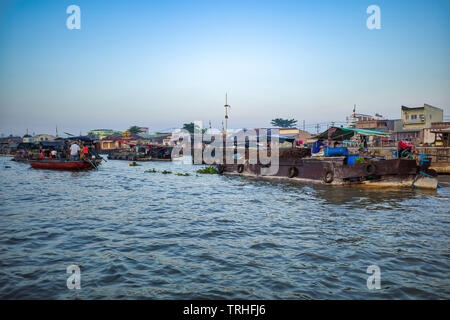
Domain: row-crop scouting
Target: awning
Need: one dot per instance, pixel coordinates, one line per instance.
(81, 138)
(347, 133)
(51, 143)
(27, 146)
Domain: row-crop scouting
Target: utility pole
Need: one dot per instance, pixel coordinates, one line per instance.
(304, 125)
(226, 111)
(317, 127)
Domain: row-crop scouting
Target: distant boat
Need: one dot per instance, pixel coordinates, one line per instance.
(64, 165)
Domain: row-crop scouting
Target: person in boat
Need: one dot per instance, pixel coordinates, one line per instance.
(66, 150)
(84, 152)
(74, 149)
(405, 149)
(315, 148)
(53, 154)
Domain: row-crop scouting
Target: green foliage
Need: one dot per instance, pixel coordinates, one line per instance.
(284, 123)
(208, 170)
(192, 128)
(153, 170)
(134, 130)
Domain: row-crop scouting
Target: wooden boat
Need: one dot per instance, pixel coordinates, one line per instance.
(64, 165)
(147, 153)
(296, 165)
(334, 171)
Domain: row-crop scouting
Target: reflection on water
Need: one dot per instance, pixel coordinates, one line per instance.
(150, 235)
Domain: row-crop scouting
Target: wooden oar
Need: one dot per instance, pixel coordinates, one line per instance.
(92, 163)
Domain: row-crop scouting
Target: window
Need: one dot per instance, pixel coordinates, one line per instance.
(407, 117)
(414, 117)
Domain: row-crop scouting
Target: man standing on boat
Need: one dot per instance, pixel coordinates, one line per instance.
(74, 149)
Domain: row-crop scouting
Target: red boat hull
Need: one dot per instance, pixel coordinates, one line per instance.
(61, 165)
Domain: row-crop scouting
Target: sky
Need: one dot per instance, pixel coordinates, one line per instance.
(160, 64)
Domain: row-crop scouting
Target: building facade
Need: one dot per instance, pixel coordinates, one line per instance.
(27, 139)
(114, 142)
(360, 117)
(43, 137)
(421, 117)
(101, 133)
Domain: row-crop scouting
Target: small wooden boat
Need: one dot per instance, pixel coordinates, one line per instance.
(64, 165)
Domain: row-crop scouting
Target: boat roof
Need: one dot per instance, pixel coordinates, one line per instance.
(81, 138)
(51, 143)
(346, 133)
(27, 146)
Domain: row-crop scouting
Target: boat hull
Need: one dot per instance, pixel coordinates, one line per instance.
(61, 165)
(334, 171)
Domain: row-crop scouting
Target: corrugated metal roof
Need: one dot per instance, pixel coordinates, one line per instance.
(347, 133)
(368, 132)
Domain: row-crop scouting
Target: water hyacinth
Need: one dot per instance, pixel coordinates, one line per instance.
(208, 170)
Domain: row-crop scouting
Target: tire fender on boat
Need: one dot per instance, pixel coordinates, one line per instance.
(220, 168)
(371, 169)
(292, 172)
(328, 176)
(240, 168)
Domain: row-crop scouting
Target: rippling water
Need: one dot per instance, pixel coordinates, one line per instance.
(150, 235)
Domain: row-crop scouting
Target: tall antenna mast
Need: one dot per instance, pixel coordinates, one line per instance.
(226, 111)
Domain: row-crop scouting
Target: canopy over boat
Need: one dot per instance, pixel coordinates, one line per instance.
(55, 144)
(336, 133)
(27, 146)
(81, 138)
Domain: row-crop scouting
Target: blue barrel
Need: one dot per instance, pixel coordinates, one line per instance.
(340, 151)
(352, 159)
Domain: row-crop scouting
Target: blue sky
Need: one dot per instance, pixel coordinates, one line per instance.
(163, 63)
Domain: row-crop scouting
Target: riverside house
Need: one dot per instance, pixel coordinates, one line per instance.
(125, 140)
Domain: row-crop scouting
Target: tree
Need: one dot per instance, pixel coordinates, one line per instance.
(284, 123)
(134, 130)
(191, 127)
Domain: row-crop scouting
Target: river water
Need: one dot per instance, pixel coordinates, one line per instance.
(139, 235)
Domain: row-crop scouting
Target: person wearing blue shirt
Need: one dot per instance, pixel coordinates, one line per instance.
(316, 146)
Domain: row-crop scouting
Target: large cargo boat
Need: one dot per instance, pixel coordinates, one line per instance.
(342, 169)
